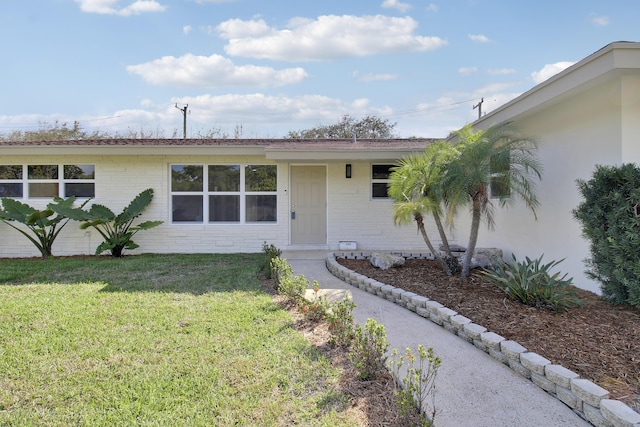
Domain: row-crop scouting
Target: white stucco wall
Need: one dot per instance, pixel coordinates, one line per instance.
(596, 127)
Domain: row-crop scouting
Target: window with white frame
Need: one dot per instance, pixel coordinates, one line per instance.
(380, 175)
(47, 181)
(224, 193)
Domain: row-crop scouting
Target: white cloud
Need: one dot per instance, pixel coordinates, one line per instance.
(599, 20)
(110, 7)
(327, 37)
(212, 71)
(370, 77)
(259, 115)
(549, 70)
(239, 29)
(432, 7)
(466, 71)
(396, 4)
(500, 71)
(261, 108)
(493, 95)
(187, 29)
(479, 38)
(495, 89)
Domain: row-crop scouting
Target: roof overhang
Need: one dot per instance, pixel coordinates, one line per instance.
(320, 155)
(121, 150)
(612, 61)
(276, 149)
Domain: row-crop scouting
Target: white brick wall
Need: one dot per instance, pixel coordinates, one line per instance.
(352, 214)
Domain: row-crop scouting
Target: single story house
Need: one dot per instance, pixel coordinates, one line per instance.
(219, 196)
(232, 195)
(587, 115)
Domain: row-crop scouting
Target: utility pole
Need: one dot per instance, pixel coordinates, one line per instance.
(184, 114)
(479, 107)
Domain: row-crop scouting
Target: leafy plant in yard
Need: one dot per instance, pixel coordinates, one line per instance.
(45, 225)
(368, 350)
(531, 283)
(341, 323)
(610, 219)
(315, 308)
(419, 381)
(117, 230)
(292, 287)
(280, 269)
(270, 252)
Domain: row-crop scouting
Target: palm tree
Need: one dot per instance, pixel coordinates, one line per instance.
(496, 160)
(414, 185)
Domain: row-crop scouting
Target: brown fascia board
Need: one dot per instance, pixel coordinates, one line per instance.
(273, 148)
(320, 150)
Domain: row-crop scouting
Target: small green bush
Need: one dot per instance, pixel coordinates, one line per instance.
(280, 269)
(419, 381)
(292, 287)
(341, 323)
(270, 252)
(531, 283)
(315, 309)
(368, 350)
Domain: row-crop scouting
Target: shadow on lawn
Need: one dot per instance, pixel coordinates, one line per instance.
(196, 274)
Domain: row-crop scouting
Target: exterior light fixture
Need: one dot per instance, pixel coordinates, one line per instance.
(347, 170)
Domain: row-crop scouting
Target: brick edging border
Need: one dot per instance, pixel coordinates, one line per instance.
(590, 401)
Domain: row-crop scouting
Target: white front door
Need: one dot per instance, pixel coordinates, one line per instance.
(308, 205)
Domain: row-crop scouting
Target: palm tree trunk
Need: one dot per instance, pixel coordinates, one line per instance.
(473, 238)
(443, 235)
(420, 221)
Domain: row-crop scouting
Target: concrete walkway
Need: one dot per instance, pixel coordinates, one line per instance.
(472, 388)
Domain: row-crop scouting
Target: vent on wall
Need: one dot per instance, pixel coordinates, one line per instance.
(347, 245)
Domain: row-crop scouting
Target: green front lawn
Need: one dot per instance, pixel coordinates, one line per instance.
(155, 340)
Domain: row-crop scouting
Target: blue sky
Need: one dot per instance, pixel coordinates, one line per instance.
(269, 67)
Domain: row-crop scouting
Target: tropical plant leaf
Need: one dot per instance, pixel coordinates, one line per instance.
(15, 210)
(148, 225)
(103, 247)
(530, 282)
(101, 212)
(117, 230)
(136, 206)
(37, 216)
(39, 222)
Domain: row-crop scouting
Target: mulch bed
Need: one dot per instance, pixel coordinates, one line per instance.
(598, 341)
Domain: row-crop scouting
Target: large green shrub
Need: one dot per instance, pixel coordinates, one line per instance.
(610, 219)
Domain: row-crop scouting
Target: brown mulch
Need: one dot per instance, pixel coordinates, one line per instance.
(598, 341)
